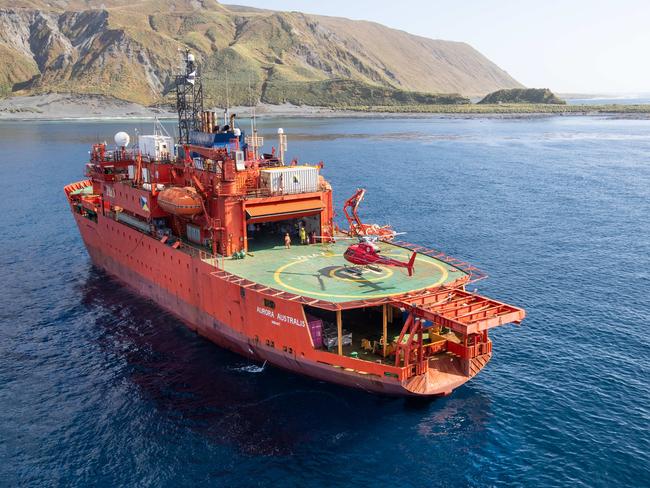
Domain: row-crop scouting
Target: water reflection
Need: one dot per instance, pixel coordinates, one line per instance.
(465, 413)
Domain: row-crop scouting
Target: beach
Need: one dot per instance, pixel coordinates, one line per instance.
(69, 106)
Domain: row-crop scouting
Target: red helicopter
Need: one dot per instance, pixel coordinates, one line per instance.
(366, 253)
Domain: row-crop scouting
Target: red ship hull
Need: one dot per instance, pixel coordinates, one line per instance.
(196, 230)
(111, 248)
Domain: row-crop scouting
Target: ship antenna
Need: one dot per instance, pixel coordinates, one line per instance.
(159, 128)
(225, 115)
(253, 119)
(254, 104)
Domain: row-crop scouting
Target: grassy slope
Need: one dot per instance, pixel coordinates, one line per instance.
(422, 64)
(15, 67)
(274, 53)
(523, 95)
(348, 93)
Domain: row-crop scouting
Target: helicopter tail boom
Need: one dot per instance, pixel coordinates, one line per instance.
(411, 262)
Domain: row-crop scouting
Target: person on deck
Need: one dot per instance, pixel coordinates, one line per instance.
(287, 241)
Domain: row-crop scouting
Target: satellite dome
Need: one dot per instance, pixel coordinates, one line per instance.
(190, 57)
(122, 139)
(237, 132)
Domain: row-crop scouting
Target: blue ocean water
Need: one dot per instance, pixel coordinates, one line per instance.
(99, 387)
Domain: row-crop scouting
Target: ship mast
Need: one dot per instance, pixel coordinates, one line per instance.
(189, 98)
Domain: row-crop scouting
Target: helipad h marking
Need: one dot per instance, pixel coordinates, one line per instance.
(277, 277)
(387, 274)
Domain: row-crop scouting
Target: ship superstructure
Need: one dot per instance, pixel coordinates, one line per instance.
(199, 225)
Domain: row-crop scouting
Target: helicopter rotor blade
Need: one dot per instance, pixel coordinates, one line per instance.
(336, 238)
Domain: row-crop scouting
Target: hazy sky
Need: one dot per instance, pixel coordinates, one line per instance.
(589, 46)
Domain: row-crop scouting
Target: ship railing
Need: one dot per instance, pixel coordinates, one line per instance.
(164, 158)
(468, 315)
(363, 366)
(258, 192)
(178, 243)
(266, 192)
(68, 189)
(271, 292)
(129, 155)
(197, 252)
(115, 156)
(475, 274)
(192, 250)
(213, 260)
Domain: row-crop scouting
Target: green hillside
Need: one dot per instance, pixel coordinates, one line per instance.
(523, 95)
(130, 50)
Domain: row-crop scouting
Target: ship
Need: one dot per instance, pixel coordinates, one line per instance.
(243, 247)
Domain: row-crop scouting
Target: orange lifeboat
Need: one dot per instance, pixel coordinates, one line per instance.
(183, 201)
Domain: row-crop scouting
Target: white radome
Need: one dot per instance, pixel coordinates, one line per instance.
(190, 57)
(122, 139)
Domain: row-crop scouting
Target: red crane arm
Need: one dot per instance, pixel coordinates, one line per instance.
(217, 154)
(353, 203)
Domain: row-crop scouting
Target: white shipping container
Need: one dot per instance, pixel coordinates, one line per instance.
(156, 147)
(289, 180)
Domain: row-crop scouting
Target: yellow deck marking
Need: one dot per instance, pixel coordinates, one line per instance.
(277, 276)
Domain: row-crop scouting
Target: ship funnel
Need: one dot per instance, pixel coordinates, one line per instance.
(122, 139)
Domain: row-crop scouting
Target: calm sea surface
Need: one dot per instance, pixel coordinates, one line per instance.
(99, 387)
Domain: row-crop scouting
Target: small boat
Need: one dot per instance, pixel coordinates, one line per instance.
(184, 201)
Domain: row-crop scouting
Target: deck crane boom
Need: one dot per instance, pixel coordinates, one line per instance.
(356, 226)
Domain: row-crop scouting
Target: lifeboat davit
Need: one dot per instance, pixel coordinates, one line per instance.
(183, 201)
